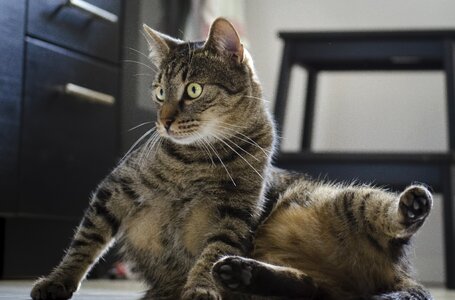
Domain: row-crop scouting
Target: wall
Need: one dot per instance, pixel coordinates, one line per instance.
(372, 111)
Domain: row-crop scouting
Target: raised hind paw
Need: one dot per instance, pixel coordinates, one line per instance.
(253, 277)
(46, 288)
(415, 205)
(233, 273)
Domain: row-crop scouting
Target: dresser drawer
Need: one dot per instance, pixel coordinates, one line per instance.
(12, 22)
(68, 143)
(75, 28)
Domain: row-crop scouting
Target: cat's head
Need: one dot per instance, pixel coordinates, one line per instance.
(203, 90)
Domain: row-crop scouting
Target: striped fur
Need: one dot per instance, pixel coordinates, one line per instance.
(178, 203)
(326, 241)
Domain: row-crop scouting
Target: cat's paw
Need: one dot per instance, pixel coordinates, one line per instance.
(233, 273)
(200, 293)
(415, 205)
(46, 288)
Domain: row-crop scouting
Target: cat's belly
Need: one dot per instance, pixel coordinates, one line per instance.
(302, 237)
(158, 258)
(164, 274)
(162, 241)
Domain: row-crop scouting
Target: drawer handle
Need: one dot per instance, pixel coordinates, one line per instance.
(88, 94)
(93, 10)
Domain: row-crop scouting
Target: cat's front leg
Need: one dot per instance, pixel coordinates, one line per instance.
(97, 229)
(231, 235)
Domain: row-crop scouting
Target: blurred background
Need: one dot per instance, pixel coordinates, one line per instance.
(75, 80)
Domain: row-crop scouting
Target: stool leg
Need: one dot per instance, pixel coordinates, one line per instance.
(282, 89)
(449, 193)
(310, 99)
(449, 225)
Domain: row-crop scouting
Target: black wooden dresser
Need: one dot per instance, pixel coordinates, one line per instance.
(59, 116)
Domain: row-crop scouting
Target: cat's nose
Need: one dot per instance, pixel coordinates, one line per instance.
(167, 122)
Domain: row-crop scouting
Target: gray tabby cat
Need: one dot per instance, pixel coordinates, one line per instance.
(192, 193)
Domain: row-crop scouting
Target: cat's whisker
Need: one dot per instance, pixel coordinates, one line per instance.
(235, 144)
(152, 145)
(235, 151)
(221, 161)
(204, 147)
(151, 148)
(263, 99)
(139, 52)
(136, 143)
(231, 125)
(199, 143)
(140, 125)
(146, 146)
(155, 146)
(143, 74)
(247, 139)
(266, 152)
(139, 63)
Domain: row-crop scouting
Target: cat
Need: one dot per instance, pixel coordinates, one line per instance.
(331, 241)
(194, 191)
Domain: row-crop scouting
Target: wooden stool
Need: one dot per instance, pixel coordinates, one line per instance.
(364, 51)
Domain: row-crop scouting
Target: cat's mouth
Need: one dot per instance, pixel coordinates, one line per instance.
(186, 131)
(181, 136)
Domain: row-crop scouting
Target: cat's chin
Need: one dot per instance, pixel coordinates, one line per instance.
(183, 140)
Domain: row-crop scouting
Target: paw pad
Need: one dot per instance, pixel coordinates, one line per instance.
(415, 204)
(233, 273)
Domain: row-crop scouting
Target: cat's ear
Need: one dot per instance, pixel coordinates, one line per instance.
(224, 39)
(159, 44)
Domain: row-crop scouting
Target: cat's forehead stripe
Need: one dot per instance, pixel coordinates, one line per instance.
(178, 68)
(185, 73)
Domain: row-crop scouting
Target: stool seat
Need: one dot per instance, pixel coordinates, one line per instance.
(373, 51)
(395, 170)
(394, 50)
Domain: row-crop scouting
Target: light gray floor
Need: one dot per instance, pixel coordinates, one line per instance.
(121, 290)
(90, 290)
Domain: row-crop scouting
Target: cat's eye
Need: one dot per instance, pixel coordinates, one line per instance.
(194, 90)
(160, 95)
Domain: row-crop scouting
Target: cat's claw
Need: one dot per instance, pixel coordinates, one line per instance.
(415, 204)
(233, 273)
(200, 293)
(45, 289)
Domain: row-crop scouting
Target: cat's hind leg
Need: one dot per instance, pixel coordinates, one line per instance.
(249, 276)
(396, 216)
(415, 205)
